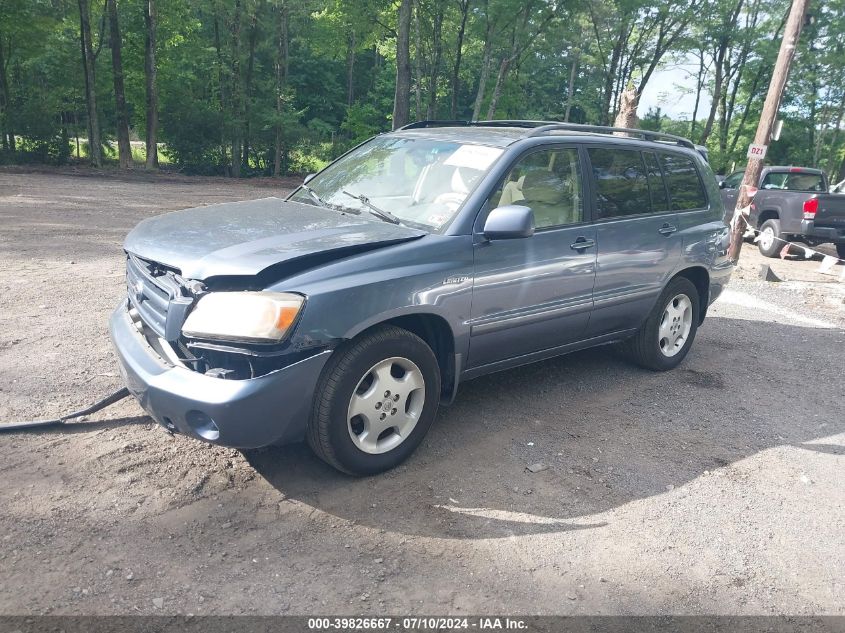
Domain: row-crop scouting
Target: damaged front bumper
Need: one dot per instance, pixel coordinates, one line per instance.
(269, 409)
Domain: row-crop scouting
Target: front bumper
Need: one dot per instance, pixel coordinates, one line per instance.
(270, 409)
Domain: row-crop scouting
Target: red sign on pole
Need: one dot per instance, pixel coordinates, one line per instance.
(757, 151)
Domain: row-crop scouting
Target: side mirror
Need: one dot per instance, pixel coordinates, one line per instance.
(722, 184)
(308, 179)
(509, 222)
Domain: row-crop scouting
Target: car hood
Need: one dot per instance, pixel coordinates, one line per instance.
(245, 238)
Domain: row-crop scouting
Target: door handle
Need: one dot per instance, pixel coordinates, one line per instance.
(667, 229)
(582, 244)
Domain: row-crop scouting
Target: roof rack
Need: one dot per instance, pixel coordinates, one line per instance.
(538, 128)
(646, 135)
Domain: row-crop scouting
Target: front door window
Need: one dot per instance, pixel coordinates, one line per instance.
(549, 183)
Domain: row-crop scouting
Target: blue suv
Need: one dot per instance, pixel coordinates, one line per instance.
(348, 312)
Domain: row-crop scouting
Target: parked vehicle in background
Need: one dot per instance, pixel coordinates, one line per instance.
(437, 253)
(792, 204)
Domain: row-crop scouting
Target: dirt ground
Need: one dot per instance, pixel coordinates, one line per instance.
(715, 488)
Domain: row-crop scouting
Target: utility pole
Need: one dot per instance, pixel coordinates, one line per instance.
(757, 152)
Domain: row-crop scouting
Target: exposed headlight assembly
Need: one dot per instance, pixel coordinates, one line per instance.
(250, 317)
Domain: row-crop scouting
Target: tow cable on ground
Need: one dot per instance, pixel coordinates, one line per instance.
(118, 395)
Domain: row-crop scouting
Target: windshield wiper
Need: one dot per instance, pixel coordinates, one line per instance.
(327, 205)
(387, 216)
(314, 196)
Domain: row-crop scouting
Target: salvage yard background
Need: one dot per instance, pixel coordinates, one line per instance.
(715, 488)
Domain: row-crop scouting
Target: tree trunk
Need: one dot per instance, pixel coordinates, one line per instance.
(6, 130)
(699, 84)
(628, 102)
(717, 91)
(281, 80)
(222, 78)
(497, 90)
(237, 91)
(350, 68)
(94, 144)
(123, 146)
(486, 58)
(570, 88)
(402, 96)
(610, 77)
(456, 68)
(431, 111)
(418, 71)
(253, 37)
(152, 89)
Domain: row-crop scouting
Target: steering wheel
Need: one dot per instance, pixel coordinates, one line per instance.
(451, 199)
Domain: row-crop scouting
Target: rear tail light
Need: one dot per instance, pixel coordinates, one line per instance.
(811, 207)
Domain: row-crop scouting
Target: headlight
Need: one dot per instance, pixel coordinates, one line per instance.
(258, 317)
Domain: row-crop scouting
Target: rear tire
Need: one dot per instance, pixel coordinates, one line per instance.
(375, 401)
(840, 250)
(665, 338)
(770, 242)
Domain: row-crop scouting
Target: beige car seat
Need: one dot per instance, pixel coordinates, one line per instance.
(512, 192)
(550, 197)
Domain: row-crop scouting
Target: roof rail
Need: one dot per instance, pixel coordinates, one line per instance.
(538, 128)
(646, 135)
(510, 123)
(416, 125)
(432, 123)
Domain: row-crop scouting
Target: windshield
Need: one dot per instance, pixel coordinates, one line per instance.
(794, 181)
(733, 181)
(419, 182)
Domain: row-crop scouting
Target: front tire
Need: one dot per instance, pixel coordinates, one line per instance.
(375, 401)
(665, 338)
(770, 242)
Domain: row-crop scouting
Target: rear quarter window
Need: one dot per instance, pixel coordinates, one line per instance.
(659, 201)
(793, 181)
(685, 189)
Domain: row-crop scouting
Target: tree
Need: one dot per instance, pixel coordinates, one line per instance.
(122, 119)
(282, 69)
(95, 147)
(236, 91)
(152, 90)
(6, 130)
(402, 95)
(463, 9)
(245, 87)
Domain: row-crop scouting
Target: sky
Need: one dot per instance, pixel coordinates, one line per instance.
(672, 89)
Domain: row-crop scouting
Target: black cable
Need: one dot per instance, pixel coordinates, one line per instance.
(109, 400)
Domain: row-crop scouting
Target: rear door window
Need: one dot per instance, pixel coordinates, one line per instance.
(685, 189)
(621, 182)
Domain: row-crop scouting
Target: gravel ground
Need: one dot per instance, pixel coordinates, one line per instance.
(715, 488)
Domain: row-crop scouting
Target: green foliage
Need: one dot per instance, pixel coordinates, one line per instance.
(302, 82)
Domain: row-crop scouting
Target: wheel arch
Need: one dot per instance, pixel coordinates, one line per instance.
(435, 330)
(767, 214)
(700, 278)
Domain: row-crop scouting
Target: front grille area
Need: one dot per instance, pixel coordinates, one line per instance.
(158, 295)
